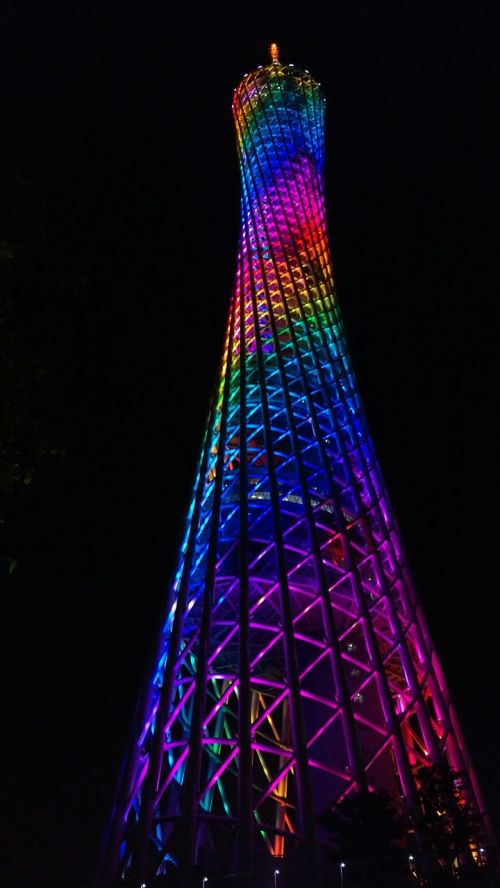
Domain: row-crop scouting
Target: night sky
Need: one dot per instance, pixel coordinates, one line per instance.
(119, 114)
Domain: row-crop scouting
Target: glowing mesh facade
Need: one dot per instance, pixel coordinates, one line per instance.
(294, 665)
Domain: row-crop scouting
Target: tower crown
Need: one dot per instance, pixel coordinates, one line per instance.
(286, 73)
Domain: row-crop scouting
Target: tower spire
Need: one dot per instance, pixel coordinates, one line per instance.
(274, 51)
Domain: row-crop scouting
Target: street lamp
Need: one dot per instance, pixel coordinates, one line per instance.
(411, 860)
(205, 880)
(276, 874)
(342, 868)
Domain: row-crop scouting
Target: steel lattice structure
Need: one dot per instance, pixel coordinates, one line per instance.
(294, 665)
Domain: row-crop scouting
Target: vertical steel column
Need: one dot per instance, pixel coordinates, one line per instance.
(429, 734)
(385, 693)
(140, 864)
(342, 693)
(306, 814)
(108, 867)
(107, 873)
(245, 801)
(188, 822)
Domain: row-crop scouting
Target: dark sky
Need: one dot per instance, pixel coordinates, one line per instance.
(120, 114)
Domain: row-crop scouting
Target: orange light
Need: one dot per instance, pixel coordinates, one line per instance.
(273, 49)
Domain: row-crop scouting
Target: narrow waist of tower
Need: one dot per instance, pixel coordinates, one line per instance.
(273, 256)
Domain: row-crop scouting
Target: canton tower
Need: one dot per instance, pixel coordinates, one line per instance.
(294, 665)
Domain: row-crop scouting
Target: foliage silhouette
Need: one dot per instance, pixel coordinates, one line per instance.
(367, 833)
(449, 827)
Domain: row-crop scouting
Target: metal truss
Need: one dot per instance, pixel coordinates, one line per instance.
(294, 665)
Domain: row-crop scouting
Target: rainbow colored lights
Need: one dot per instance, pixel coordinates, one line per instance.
(294, 665)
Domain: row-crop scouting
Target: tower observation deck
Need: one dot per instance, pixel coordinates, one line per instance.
(294, 665)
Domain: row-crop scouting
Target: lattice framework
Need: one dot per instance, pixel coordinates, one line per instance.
(294, 665)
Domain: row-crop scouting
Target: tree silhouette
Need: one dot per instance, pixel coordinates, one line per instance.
(367, 833)
(449, 827)
(31, 273)
(33, 276)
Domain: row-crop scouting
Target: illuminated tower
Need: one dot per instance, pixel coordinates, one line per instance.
(294, 665)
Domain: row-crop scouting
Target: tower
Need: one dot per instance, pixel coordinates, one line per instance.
(294, 665)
